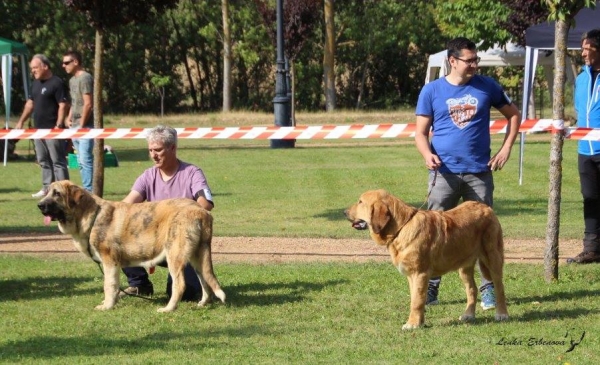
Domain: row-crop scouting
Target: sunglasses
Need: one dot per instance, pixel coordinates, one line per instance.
(67, 62)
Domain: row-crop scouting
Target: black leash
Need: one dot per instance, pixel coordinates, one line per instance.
(435, 174)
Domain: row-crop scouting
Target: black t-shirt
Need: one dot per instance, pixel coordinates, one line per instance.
(46, 94)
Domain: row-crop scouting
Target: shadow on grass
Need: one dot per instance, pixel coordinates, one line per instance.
(54, 347)
(268, 294)
(38, 288)
(540, 313)
(133, 154)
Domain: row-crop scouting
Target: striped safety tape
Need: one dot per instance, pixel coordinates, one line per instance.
(355, 131)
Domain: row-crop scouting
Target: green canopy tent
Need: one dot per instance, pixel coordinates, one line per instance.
(8, 50)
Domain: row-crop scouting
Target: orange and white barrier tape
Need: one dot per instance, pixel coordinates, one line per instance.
(354, 131)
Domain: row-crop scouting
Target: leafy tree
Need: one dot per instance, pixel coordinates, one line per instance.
(523, 14)
(492, 21)
(300, 18)
(563, 13)
(476, 20)
(226, 56)
(102, 16)
(382, 50)
(159, 83)
(329, 55)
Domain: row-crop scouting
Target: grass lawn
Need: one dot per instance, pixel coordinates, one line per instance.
(302, 192)
(297, 313)
(292, 313)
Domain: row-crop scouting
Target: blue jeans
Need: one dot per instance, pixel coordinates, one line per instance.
(85, 159)
(450, 188)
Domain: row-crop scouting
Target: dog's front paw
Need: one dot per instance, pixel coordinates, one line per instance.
(165, 309)
(466, 318)
(410, 326)
(102, 307)
(501, 317)
(206, 300)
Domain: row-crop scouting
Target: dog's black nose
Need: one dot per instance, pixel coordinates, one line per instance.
(42, 206)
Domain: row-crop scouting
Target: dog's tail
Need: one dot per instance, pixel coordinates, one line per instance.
(207, 276)
(493, 250)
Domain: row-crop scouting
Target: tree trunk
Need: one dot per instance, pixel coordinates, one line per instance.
(186, 64)
(329, 56)
(226, 57)
(556, 153)
(292, 86)
(361, 88)
(98, 178)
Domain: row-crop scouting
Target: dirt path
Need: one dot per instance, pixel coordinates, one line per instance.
(275, 250)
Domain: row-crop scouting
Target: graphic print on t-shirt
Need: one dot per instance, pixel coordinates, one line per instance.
(462, 110)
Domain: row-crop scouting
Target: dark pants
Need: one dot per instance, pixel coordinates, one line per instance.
(138, 276)
(450, 188)
(589, 179)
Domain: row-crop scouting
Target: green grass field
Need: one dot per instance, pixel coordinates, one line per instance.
(297, 313)
(302, 192)
(292, 314)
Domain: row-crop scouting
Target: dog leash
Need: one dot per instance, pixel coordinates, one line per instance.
(435, 174)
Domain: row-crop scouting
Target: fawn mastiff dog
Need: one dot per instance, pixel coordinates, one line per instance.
(424, 244)
(118, 234)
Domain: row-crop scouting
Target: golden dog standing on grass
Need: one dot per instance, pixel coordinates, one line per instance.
(425, 243)
(119, 234)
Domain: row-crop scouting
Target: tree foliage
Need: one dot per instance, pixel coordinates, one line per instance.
(381, 48)
(300, 18)
(523, 14)
(108, 14)
(476, 20)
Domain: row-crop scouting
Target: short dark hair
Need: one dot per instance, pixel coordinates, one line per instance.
(74, 55)
(456, 45)
(593, 36)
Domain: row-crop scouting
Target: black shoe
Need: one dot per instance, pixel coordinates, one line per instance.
(432, 295)
(190, 294)
(138, 291)
(585, 257)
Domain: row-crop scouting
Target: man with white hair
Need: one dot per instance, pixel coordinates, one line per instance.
(49, 103)
(169, 178)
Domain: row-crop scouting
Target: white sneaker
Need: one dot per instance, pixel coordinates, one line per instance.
(40, 194)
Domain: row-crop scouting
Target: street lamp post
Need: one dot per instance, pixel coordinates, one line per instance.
(281, 102)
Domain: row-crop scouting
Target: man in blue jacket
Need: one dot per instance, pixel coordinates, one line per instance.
(587, 107)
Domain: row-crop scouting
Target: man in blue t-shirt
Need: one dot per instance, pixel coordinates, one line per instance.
(456, 111)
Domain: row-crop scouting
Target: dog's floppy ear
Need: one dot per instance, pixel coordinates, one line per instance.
(380, 216)
(74, 195)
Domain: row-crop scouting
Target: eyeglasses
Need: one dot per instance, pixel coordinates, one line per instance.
(471, 62)
(67, 62)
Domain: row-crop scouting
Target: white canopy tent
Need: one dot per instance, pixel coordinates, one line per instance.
(8, 50)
